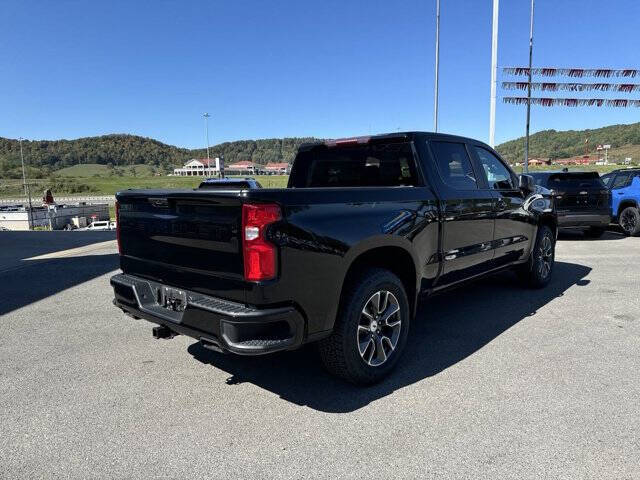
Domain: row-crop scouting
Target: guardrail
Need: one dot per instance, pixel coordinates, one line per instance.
(110, 199)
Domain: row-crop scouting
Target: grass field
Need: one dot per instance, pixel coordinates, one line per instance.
(95, 180)
(94, 169)
(108, 185)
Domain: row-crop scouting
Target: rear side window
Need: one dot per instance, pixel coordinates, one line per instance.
(381, 165)
(621, 180)
(575, 180)
(498, 175)
(454, 165)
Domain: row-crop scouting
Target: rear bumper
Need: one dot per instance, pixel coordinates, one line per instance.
(587, 219)
(220, 324)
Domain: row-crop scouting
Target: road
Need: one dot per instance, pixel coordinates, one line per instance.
(497, 382)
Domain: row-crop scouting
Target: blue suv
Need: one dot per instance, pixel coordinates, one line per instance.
(625, 198)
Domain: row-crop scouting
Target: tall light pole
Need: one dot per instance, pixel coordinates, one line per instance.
(494, 75)
(27, 191)
(526, 145)
(24, 177)
(435, 102)
(206, 129)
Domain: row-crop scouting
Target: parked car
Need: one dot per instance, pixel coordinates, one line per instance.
(100, 225)
(624, 185)
(229, 183)
(339, 257)
(581, 200)
(112, 225)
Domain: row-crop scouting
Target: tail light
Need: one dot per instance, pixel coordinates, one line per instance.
(259, 254)
(118, 227)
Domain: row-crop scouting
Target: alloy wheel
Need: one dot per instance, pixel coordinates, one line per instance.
(379, 328)
(628, 221)
(545, 256)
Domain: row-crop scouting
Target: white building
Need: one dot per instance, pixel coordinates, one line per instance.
(55, 217)
(199, 167)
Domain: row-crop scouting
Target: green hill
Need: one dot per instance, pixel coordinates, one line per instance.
(624, 141)
(96, 170)
(114, 155)
(44, 157)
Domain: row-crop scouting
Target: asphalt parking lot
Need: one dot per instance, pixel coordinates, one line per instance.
(497, 382)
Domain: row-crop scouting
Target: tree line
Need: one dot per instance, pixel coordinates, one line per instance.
(44, 157)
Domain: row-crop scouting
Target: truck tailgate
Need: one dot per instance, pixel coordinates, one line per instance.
(187, 238)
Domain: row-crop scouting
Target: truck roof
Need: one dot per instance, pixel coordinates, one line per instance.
(394, 136)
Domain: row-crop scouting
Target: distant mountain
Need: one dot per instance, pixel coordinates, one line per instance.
(570, 143)
(46, 156)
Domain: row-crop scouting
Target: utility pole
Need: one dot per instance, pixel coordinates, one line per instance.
(206, 128)
(526, 145)
(435, 103)
(494, 75)
(27, 191)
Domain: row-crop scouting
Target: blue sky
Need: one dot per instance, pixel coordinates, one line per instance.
(291, 68)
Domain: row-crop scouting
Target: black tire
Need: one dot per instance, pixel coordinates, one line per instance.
(629, 220)
(595, 232)
(341, 351)
(534, 273)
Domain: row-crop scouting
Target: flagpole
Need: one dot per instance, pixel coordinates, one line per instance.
(494, 75)
(435, 103)
(526, 147)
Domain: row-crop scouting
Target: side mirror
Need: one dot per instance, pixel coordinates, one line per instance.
(526, 183)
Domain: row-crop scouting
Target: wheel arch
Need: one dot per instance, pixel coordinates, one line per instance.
(393, 255)
(624, 203)
(550, 221)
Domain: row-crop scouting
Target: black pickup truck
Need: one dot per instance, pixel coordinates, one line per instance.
(365, 227)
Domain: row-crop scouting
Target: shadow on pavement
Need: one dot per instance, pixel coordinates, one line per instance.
(23, 281)
(15, 246)
(446, 331)
(612, 233)
(43, 278)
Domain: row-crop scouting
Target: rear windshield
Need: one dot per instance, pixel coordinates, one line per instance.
(540, 178)
(575, 180)
(383, 165)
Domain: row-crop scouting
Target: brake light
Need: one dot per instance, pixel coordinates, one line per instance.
(259, 254)
(118, 227)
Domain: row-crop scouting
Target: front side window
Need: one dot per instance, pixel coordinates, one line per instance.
(498, 175)
(454, 165)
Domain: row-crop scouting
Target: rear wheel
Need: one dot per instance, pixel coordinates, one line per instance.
(536, 273)
(371, 329)
(595, 232)
(630, 221)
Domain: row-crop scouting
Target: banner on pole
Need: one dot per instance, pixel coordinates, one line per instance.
(573, 87)
(573, 102)
(572, 72)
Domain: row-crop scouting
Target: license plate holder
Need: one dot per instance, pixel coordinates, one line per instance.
(173, 299)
